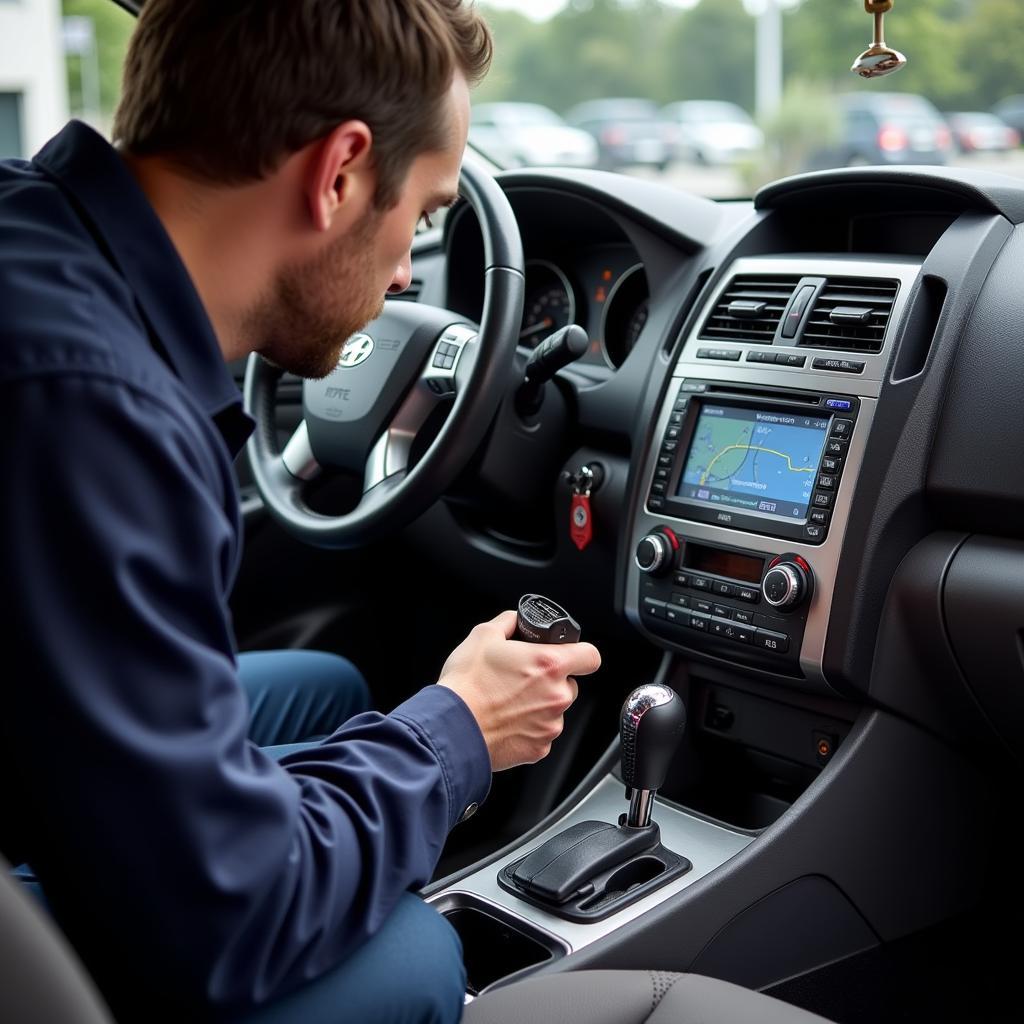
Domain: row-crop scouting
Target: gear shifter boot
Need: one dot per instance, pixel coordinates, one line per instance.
(568, 861)
(592, 869)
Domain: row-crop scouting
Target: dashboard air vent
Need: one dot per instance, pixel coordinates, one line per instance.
(750, 308)
(851, 314)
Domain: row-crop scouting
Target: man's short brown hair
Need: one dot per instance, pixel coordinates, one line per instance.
(230, 88)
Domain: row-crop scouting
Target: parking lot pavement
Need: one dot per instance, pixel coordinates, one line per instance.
(727, 183)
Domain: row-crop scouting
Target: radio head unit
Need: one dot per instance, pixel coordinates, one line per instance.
(766, 460)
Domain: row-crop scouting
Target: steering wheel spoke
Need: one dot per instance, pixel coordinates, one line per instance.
(445, 375)
(298, 457)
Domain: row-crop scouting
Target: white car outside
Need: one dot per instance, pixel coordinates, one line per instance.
(714, 132)
(529, 135)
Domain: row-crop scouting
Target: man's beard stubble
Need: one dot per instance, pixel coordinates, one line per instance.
(315, 307)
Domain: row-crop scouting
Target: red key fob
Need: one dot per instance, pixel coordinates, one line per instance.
(581, 526)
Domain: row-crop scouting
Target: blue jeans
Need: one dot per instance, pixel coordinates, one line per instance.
(411, 971)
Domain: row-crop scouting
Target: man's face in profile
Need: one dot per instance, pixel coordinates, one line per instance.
(316, 305)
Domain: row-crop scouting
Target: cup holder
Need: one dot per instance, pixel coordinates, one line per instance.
(495, 943)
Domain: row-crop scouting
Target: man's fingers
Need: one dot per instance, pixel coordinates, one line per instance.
(585, 659)
(506, 622)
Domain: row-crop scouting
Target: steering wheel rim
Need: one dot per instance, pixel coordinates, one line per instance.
(394, 495)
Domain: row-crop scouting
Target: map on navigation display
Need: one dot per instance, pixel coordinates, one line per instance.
(755, 460)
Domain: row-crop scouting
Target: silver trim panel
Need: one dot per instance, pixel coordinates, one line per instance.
(823, 558)
(903, 270)
(706, 844)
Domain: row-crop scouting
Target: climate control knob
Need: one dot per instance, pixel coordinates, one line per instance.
(785, 585)
(654, 553)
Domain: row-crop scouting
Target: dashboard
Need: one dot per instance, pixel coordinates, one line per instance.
(776, 392)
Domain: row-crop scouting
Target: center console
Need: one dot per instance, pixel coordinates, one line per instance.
(740, 506)
(750, 478)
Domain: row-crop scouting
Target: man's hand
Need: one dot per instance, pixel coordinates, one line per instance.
(518, 692)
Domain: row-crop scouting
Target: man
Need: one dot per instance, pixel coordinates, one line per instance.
(274, 157)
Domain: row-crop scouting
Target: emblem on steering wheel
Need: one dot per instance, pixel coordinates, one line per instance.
(356, 350)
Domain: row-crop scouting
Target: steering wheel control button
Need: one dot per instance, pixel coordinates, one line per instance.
(540, 621)
(840, 365)
(777, 643)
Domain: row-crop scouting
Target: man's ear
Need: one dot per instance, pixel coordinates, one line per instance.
(339, 179)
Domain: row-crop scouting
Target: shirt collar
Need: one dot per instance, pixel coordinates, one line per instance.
(92, 171)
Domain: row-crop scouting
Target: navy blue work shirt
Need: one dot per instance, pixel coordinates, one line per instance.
(180, 859)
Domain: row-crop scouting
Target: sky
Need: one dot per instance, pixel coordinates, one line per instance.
(539, 10)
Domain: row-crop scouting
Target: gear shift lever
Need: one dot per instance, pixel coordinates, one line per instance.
(650, 727)
(592, 868)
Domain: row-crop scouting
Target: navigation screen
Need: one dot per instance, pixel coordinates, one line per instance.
(754, 461)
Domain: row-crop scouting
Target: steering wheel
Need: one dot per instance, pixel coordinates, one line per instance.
(364, 417)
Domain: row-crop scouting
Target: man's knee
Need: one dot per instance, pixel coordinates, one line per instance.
(425, 962)
(411, 970)
(298, 696)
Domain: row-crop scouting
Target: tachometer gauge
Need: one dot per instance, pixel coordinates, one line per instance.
(550, 302)
(625, 314)
(635, 325)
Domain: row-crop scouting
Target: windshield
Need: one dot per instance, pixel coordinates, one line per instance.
(746, 91)
(718, 97)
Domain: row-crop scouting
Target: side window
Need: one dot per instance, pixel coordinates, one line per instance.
(58, 60)
(11, 131)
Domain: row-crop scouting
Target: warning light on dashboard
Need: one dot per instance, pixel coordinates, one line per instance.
(600, 295)
(606, 275)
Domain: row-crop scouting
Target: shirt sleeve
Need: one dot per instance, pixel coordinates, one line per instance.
(161, 835)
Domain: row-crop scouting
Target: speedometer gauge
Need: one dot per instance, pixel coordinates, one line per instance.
(550, 302)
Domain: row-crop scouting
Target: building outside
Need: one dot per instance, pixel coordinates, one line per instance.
(33, 89)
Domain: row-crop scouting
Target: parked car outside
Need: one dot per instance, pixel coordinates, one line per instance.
(1011, 111)
(629, 132)
(713, 132)
(887, 128)
(981, 132)
(529, 135)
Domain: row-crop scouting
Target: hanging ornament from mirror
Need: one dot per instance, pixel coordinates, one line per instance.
(878, 59)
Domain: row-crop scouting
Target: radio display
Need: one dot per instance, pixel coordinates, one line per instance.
(753, 460)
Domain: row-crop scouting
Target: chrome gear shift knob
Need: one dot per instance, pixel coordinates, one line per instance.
(650, 727)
